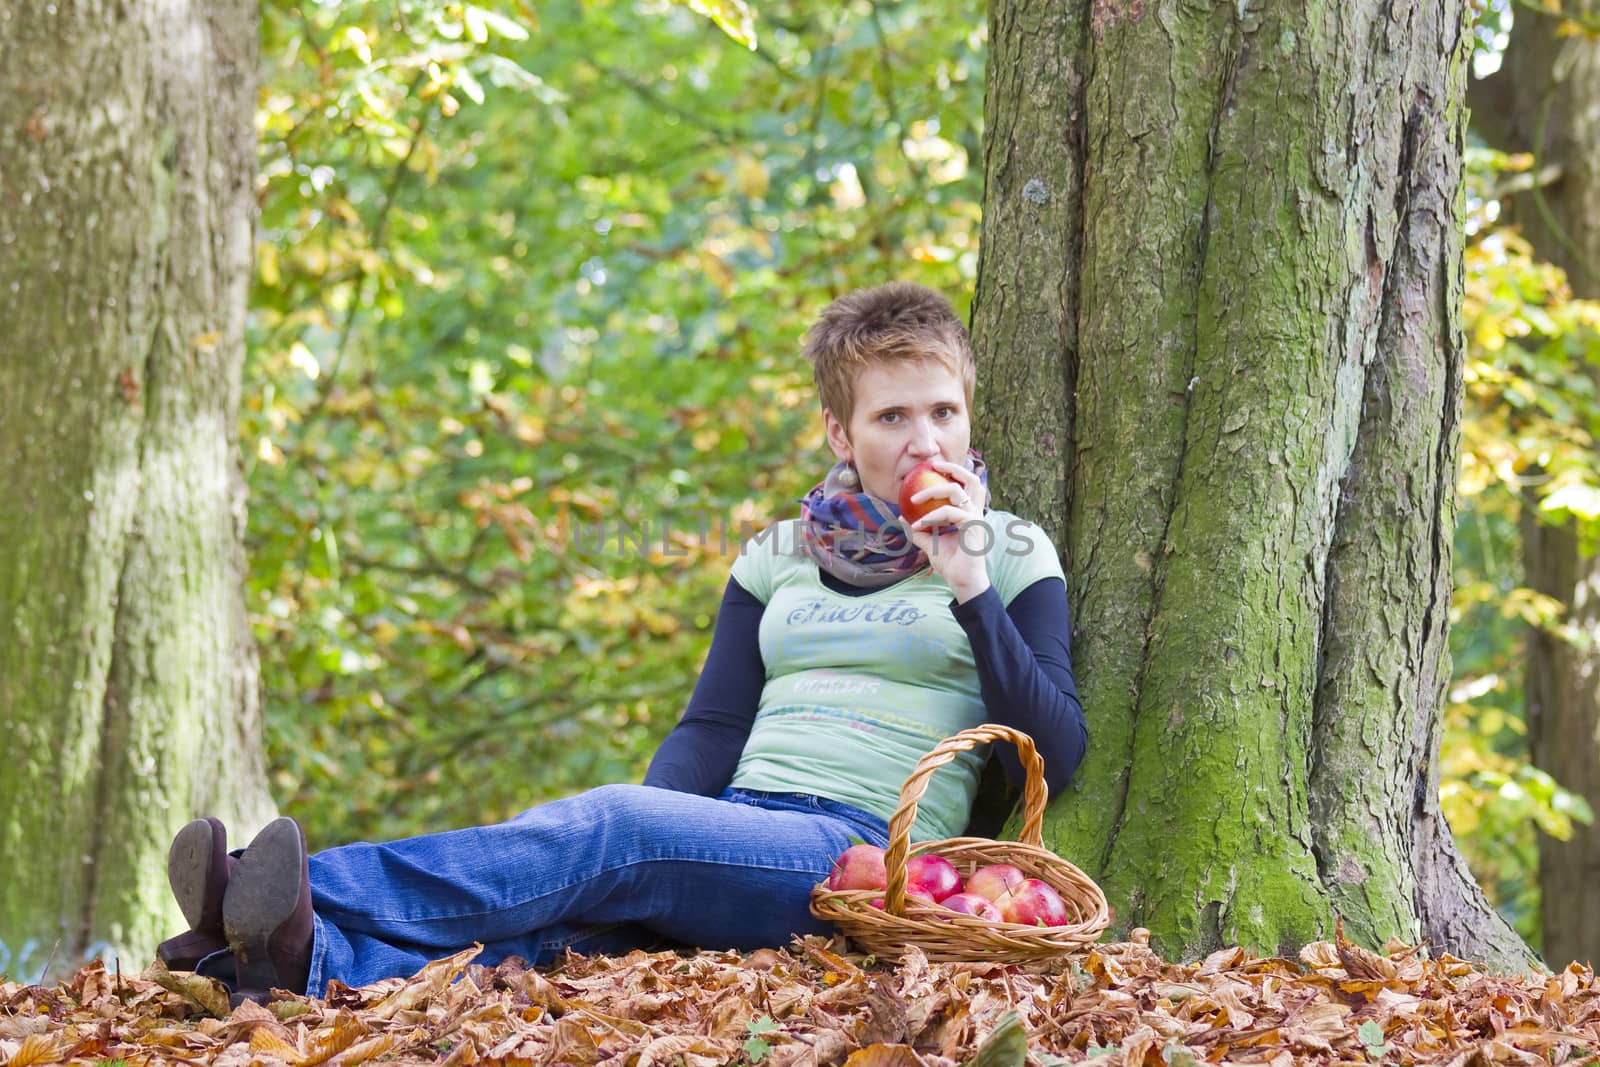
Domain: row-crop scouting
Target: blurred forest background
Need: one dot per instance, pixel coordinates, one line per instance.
(524, 354)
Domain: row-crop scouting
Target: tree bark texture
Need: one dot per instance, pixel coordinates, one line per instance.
(1221, 287)
(1545, 100)
(128, 684)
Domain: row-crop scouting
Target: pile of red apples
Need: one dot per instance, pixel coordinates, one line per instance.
(998, 892)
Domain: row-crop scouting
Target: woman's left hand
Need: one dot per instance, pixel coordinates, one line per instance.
(938, 533)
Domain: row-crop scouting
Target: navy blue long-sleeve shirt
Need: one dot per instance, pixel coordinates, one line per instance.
(1023, 657)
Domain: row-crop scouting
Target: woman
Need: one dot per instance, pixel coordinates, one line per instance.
(841, 654)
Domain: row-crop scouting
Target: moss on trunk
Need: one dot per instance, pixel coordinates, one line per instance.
(128, 679)
(1256, 297)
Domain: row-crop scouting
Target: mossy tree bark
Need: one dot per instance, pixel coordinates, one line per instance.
(1545, 100)
(128, 685)
(1218, 316)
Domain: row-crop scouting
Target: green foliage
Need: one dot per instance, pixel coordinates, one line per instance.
(1006, 1045)
(1175, 1054)
(1528, 440)
(524, 277)
(1371, 1034)
(755, 1047)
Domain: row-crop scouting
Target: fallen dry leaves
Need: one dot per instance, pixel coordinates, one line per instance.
(1117, 1005)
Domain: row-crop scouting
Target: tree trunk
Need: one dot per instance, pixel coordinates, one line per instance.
(1546, 100)
(128, 687)
(1219, 303)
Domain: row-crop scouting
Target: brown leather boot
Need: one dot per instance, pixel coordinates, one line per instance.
(184, 952)
(198, 867)
(266, 912)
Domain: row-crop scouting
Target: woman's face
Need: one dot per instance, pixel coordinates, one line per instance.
(904, 413)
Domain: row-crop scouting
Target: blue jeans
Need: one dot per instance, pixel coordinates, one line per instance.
(608, 870)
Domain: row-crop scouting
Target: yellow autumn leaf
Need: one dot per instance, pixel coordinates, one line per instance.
(733, 17)
(427, 983)
(208, 993)
(345, 1033)
(36, 1049)
(267, 263)
(1489, 336)
(1577, 498)
(263, 1042)
(301, 359)
(881, 1055)
(371, 1048)
(751, 176)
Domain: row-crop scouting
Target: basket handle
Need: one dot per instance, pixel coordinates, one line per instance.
(1034, 796)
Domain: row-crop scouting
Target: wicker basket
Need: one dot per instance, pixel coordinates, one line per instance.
(946, 935)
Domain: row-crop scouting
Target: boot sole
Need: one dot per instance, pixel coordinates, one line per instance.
(188, 862)
(262, 894)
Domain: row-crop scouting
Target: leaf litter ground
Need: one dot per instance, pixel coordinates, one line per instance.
(817, 1003)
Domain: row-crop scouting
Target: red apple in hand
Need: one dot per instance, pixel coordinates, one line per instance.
(858, 867)
(917, 479)
(973, 904)
(932, 876)
(1033, 903)
(996, 881)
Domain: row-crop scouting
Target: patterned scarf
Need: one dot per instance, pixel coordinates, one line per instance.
(859, 538)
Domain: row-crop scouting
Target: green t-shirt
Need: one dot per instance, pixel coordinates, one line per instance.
(859, 688)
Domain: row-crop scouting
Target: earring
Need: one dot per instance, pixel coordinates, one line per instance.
(849, 478)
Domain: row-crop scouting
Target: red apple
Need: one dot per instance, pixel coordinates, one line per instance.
(917, 479)
(858, 867)
(1033, 903)
(996, 881)
(973, 904)
(935, 876)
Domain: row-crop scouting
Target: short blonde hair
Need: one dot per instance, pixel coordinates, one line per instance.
(893, 323)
